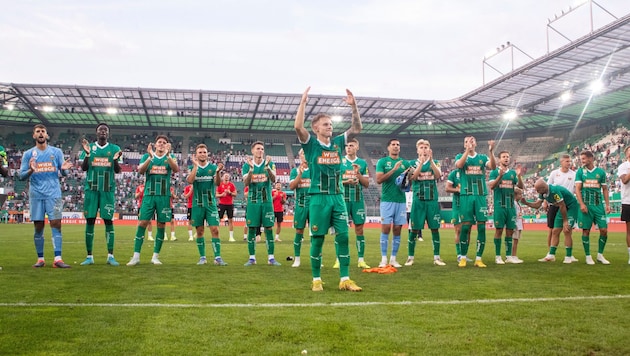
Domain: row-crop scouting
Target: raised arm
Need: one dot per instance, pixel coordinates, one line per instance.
(301, 131)
(492, 163)
(356, 126)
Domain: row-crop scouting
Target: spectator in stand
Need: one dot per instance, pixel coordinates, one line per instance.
(279, 198)
(226, 191)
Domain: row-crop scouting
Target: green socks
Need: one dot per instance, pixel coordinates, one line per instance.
(137, 246)
(89, 238)
(201, 246)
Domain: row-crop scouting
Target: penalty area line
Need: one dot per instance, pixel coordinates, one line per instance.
(310, 305)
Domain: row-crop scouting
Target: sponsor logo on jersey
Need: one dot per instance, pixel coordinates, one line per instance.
(329, 157)
(43, 167)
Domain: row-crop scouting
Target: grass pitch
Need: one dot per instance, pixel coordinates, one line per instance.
(181, 308)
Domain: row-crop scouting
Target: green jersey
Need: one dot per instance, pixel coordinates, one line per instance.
(353, 192)
(325, 164)
(592, 182)
(301, 192)
(259, 185)
(203, 187)
(425, 186)
(389, 190)
(157, 175)
(557, 194)
(100, 175)
(473, 175)
(504, 191)
(453, 177)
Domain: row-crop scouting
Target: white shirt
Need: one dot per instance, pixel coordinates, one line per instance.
(624, 168)
(567, 180)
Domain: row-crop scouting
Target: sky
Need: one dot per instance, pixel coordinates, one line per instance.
(411, 49)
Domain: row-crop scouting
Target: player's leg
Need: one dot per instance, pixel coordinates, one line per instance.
(268, 220)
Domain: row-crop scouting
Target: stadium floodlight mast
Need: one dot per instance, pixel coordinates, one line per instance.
(508, 46)
(572, 8)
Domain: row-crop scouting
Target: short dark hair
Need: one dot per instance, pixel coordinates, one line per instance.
(102, 124)
(163, 137)
(587, 153)
(39, 126)
(392, 140)
(258, 143)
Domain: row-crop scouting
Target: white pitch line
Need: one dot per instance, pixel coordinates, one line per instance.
(310, 305)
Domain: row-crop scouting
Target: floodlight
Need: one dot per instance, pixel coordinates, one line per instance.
(48, 108)
(112, 111)
(510, 115)
(565, 96)
(336, 118)
(597, 85)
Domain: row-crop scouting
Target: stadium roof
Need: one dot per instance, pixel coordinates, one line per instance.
(554, 93)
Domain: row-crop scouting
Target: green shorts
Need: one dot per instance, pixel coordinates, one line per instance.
(425, 210)
(93, 201)
(156, 205)
(504, 218)
(300, 216)
(473, 208)
(356, 211)
(326, 211)
(572, 215)
(455, 212)
(260, 214)
(199, 214)
(596, 215)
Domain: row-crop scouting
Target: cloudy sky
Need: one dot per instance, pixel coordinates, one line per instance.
(419, 49)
